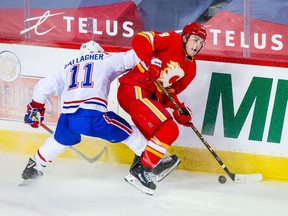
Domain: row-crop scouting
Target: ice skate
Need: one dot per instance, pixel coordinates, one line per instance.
(140, 178)
(29, 173)
(165, 167)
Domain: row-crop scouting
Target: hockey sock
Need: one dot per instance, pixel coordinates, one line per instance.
(157, 146)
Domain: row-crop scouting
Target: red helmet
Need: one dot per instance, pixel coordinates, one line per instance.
(195, 29)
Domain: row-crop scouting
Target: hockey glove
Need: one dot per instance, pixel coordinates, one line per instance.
(185, 117)
(35, 114)
(154, 70)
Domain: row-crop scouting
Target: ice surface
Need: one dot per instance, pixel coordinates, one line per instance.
(75, 187)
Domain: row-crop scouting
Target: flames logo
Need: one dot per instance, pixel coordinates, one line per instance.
(171, 74)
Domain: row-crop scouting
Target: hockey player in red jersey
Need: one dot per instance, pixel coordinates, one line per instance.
(169, 58)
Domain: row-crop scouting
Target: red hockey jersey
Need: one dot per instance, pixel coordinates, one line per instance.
(178, 70)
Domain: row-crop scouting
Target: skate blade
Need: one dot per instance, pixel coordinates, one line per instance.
(24, 182)
(166, 172)
(135, 182)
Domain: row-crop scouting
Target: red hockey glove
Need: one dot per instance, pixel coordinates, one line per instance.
(185, 117)
(35, 114)
(154, 69)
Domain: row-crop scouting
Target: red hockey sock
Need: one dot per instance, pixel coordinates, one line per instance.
(157, 146)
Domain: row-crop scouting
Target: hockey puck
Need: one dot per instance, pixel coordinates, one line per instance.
(222, 179)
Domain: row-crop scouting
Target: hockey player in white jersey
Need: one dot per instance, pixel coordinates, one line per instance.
(83, 85)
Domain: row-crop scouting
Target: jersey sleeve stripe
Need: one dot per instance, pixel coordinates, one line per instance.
(149, 36)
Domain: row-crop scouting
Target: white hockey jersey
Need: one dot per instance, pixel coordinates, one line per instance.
(84, 82)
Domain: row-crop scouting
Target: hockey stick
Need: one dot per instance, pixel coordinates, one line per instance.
(79, 153)
(235, 177)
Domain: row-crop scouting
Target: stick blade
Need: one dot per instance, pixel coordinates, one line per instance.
(247, 178)
(88, 159)
(97, 157)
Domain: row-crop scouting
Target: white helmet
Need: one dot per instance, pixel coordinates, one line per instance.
(90, 47)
